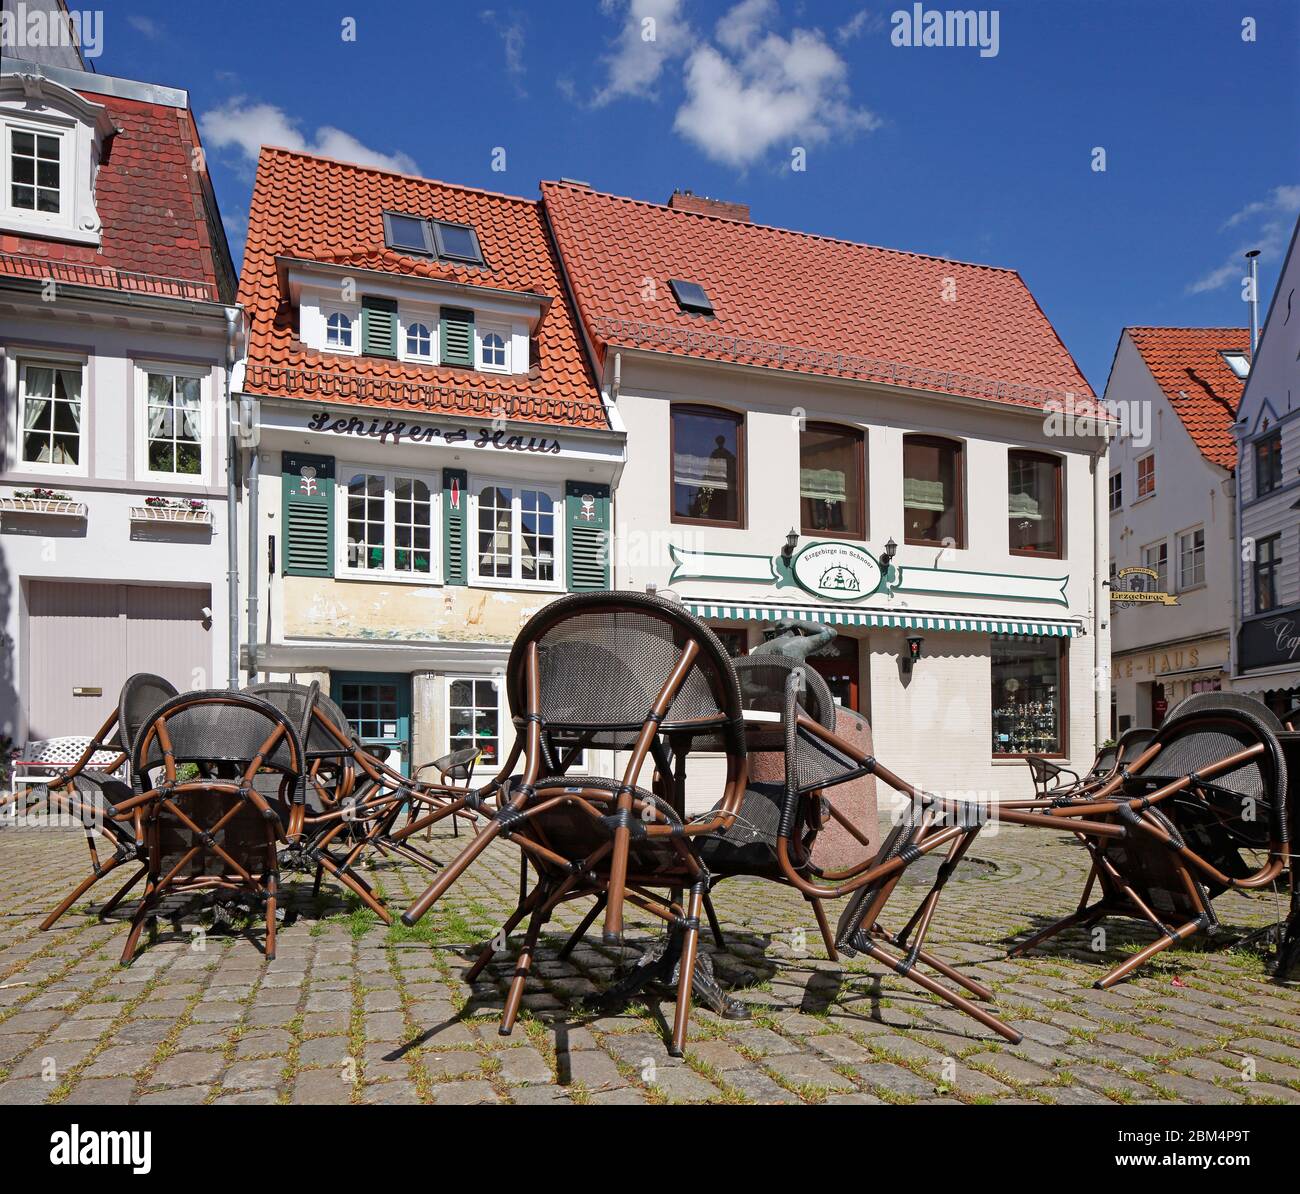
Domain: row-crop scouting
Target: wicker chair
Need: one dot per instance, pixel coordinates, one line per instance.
(620, 671)
(84, 791)
(216, 832)
(1201, 811)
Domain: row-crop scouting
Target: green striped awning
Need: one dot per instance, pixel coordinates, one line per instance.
(908, 621)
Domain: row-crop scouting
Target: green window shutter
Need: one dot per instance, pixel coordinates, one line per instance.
(378, 326)
(308, 514)
(588, 533)
(455, 501)
(457, 336)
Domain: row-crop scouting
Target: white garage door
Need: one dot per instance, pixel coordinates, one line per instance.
(83, 637)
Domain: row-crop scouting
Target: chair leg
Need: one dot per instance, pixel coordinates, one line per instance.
(714, 927)
(77, 892)
(823, 924)
(581, 931)
(142, 914)
(1084, 917)
(121, 892)
(522, 966)
(1190, 929)
(488, 952)
(272, 892)
(315, 887)
(686, 969)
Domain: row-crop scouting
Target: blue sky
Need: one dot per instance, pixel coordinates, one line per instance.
(936, 149)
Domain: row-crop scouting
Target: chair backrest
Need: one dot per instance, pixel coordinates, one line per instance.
(140, 696)
(604, 659)
(1105, 761)
(309, 710)
(762, 680)
(1132, 742)
(220, 729)
(1243, 806)
(1291, 718)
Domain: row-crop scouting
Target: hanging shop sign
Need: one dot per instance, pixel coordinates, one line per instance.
(1136, 586)
(843, 572)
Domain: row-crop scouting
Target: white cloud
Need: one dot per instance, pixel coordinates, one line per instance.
(862, 21)
(150, 29)
(511, 31)
(653, 33)
(757, 89)
(1272, 218)
(248, 126)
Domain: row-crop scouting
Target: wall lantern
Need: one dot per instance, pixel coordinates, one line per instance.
(791, 539)
(887, 556)
(914, 644)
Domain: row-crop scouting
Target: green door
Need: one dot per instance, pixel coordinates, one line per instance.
(378, 704)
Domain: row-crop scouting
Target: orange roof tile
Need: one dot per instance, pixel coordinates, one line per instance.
(1188, 365)
(812, 304)
(315, 208)
(161, 231)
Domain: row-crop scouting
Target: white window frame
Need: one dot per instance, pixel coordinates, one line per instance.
(505, 727)
(1183, 583)
(50, 360)
(431, 325)
(388, 573)
(206, 423)
(1159, 543)
(481, 333)
(476, 485)
(64, 131)
(352, 313)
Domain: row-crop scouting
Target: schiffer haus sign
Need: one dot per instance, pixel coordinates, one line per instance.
(403, 431)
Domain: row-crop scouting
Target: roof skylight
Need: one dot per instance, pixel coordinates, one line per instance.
(1238, 362)
(691, 297)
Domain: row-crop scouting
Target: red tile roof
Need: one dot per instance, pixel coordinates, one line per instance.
(315, 208)
(1188, 365)
(811, 304)
(161, 230)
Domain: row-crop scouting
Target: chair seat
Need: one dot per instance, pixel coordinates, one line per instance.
(749, 846)
(95, 792)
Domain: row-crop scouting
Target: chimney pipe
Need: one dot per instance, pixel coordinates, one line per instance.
(1253, 258)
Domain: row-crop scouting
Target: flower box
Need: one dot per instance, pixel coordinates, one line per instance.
(57, 507)
(186, 514)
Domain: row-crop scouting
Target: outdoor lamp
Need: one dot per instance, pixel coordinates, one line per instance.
(788, 550)
(914, 644)
(887, 556)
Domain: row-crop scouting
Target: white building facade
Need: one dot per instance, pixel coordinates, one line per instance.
(117, 327)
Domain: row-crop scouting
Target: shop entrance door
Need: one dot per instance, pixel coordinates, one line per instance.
(378, 704)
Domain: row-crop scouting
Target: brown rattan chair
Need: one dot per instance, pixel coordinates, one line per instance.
(1202, 810)
(627, 672)
(83, 793)
(215, 832)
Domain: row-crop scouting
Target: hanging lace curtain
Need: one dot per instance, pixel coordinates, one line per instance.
(189, 400)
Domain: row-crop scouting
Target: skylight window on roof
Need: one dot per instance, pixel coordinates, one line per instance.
(407, 234)
(457, 242)
(691, 297)
(1238, 362)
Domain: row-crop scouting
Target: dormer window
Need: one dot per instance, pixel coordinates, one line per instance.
(494, 351)
(338, 331)
(51, 139)
(457, 242)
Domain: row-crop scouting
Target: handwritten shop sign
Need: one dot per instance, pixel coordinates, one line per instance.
(1267, 642)
(389, 430)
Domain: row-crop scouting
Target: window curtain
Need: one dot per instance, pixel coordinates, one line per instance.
(823, 484)
(923, 495)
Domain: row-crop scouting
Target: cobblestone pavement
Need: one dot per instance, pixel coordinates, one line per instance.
(352, 1012)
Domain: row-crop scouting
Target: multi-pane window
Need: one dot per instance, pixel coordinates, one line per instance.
(1268, 559)
(516, 534)
(174, 424)
(1156, 557)
(1116, 493)
(35, 171)
(419, 342)
(373, 707)
(1029, 691)
(1191, 558)
(50, 413)
(338, 330)
(1034, 503)
(474, 718)
(494, 351)
(1146, 471)
(1268, 464)
(932, 491)
(389, 524)
(831, 473)
(708, 465)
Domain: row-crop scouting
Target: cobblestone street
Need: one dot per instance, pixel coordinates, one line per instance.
(351, 1012)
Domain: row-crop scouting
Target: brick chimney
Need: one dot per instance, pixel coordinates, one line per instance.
(687, 201)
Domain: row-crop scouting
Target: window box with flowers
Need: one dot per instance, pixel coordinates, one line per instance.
(42, 501)
(162, 509)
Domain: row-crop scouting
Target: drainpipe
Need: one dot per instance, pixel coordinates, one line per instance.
(1234, 496)
(233, 321)
(1253, 258)
(253, 540)
(1100, 592)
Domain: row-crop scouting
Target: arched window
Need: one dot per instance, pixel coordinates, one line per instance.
(419, 343)
(494, 351)
(708, 465)
(338, 330)
(1034, 504)
(831, 490)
